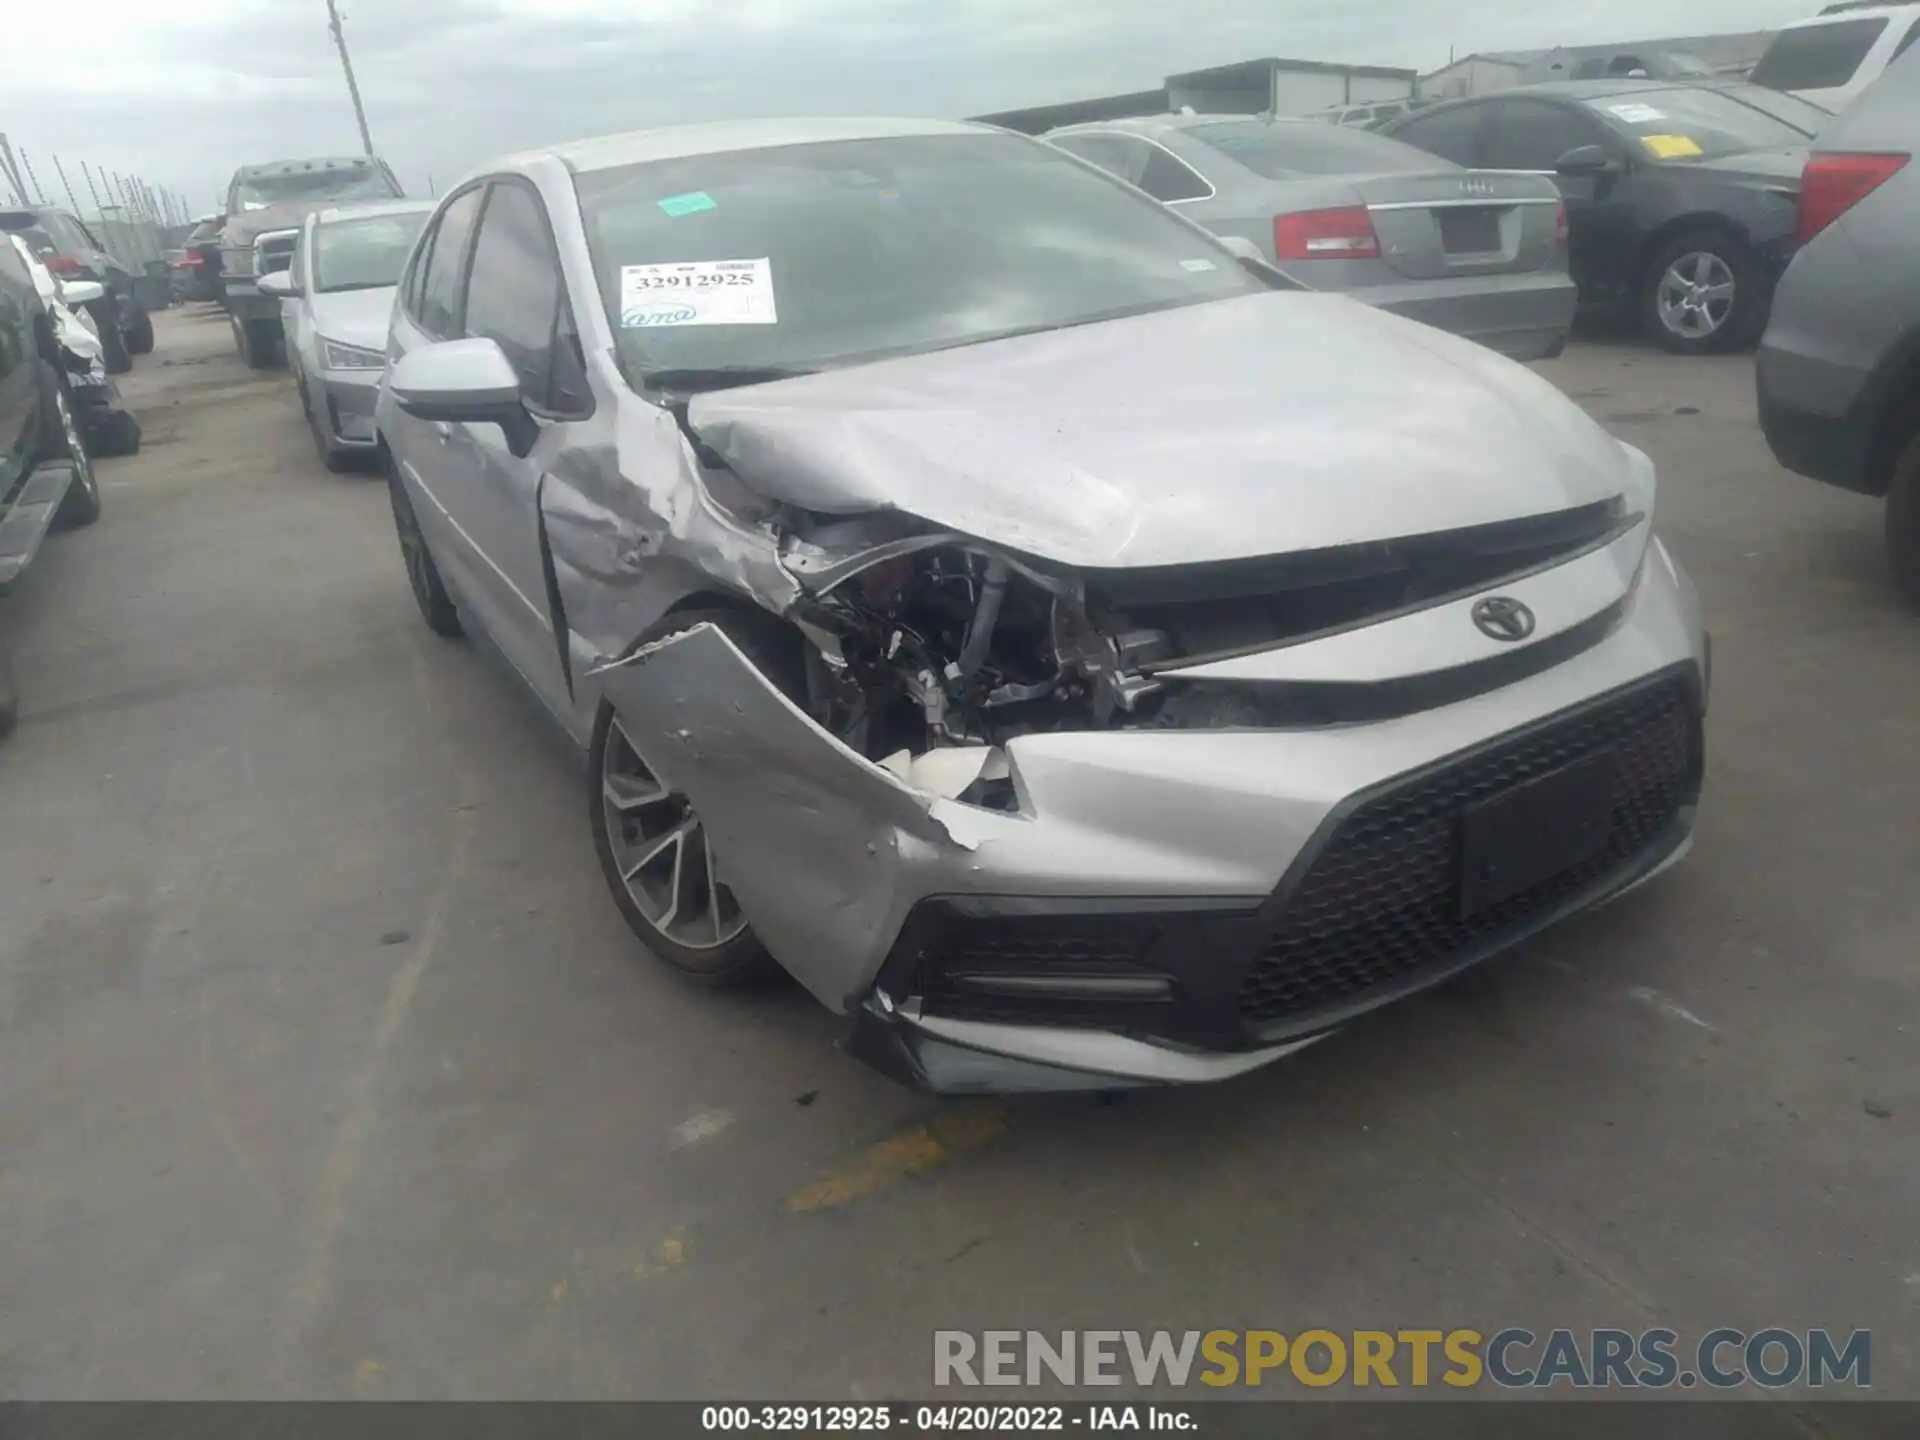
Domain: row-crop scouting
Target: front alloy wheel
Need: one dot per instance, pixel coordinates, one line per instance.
(660, 851)
(1696, 296)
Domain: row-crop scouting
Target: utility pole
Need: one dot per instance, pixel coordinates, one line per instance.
(353, 86)
(61, 171)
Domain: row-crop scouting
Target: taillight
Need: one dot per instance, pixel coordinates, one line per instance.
(1831, 185)
(1560, 226)
(63, 265)
(1343, 234)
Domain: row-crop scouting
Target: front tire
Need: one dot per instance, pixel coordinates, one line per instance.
(1704, 292)
(423, 576)
(653, 847)
(1903, 522)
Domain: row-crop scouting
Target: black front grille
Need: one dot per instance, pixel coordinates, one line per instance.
(1378, 905)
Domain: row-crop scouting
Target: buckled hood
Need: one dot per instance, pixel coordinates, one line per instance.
(1278, 422)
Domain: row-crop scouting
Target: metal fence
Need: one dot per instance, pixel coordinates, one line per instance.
(129, 217)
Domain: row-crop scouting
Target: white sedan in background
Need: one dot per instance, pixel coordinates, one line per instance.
(336, 301)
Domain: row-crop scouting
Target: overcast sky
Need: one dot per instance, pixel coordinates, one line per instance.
(448, 83)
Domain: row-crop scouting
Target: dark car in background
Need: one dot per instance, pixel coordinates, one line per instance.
(195, 261)
(1682, 199)
(64, 244)
(1839, 367)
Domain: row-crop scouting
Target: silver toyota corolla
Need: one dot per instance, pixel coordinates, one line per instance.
(336, 297)
(1074, 653)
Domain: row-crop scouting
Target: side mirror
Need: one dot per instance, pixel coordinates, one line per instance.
(1586, 160)
(464, 382)
(280, 284)
(81, 292)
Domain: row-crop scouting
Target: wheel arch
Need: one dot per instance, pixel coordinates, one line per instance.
(1896, 401)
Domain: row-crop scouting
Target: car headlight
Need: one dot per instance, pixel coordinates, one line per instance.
(351, 357)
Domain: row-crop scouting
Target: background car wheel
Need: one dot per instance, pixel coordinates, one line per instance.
(1704, 292)
(423, 576)
(9, 697)
(113, 345)
(1903, 522)
(652, 845)
(140, 336)
(60, 440)
(259, 343)
(116, 432)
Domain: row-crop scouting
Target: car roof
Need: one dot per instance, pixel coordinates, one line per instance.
(36, 211)
(677, 142)
(363, 210)
(296, 167)
(1160, 124)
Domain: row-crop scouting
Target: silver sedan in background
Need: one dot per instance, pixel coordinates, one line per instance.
(336, 302)
(1482, 253)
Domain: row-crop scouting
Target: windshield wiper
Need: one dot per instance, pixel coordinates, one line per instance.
(719, 377)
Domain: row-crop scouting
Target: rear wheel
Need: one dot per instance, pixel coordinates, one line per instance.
(1903, 522)
(140, 336)
(258, 342)
(1704, 292)
(423, 576)
(113, 345)
(653, 845)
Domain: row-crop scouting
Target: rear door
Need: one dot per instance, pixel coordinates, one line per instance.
(1527, 134)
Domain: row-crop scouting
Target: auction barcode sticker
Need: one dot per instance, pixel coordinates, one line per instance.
(697, 292)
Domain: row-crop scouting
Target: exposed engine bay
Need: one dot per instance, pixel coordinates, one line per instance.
(953, 646)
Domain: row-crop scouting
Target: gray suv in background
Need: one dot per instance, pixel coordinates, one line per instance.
(1839, 368)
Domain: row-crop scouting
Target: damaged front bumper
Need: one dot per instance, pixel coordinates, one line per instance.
(1161, 906)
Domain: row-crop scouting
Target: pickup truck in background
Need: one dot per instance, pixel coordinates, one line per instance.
(265, 207)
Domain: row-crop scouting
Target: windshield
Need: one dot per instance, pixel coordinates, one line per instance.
(1695, 123)
(1281, 150)
(364, 254)
(804, 256)
(362, 182)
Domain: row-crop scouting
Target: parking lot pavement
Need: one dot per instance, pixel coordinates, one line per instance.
(327, 1067)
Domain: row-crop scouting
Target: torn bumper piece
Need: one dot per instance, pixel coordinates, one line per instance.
(1163, 906)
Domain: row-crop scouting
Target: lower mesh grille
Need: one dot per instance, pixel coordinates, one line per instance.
(1380, 903)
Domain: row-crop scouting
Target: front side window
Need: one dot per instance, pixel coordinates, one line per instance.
(802, 257)
(365, 253)
(439, 312)
(514, 291)
(1289, 149)
(1817, 57)
(1533, 135)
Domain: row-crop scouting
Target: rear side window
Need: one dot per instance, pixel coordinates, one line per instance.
(1533, 135)
(1283, 149)
(1166, 177)
(439, 309)
(1450, 134)
(1906, 40)
(1120, 155)
(1817, 57)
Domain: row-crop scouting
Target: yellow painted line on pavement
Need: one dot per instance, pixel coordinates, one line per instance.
(913, 1151)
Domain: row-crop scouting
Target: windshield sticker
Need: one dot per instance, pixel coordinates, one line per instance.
(691, 203)
(1671, 147)
(697, 292)
(1196, 265)
(1638, 114)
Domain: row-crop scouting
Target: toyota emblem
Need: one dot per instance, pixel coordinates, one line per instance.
(1500, 617)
